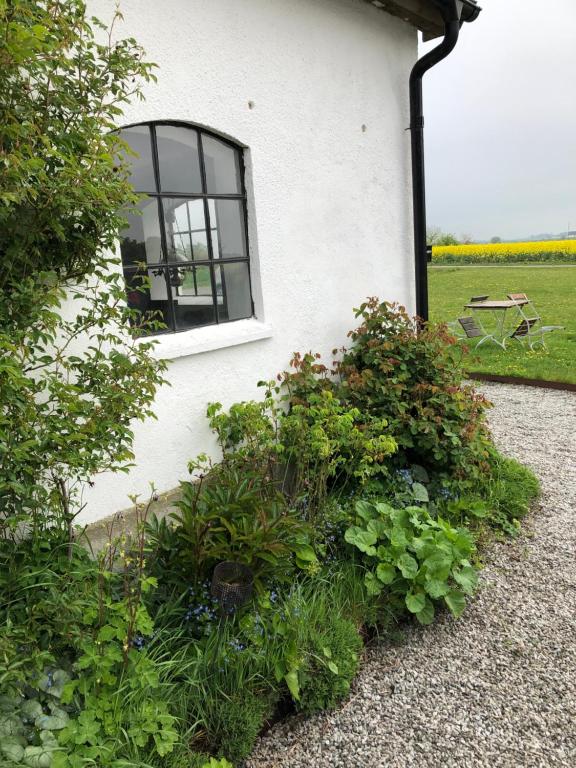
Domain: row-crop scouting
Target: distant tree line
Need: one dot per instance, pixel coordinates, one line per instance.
(435, 236)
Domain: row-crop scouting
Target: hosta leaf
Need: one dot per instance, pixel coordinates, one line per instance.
(408, 566)
(415, 601)
(426, 615)
(362, 539)
(456, 602)
(419, 492)
(386, 573)
(467, 578)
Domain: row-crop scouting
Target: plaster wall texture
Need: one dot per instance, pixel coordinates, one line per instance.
(317, 93)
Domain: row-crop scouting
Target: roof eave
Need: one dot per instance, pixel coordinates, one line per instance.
(422, 14)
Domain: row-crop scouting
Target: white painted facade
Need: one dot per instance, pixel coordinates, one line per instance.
(317, 93)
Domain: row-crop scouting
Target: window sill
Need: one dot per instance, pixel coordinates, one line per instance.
(209, 338)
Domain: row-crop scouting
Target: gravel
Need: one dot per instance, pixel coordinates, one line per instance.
(498, 686)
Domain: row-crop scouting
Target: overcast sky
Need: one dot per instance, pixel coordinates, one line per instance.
(500, 123)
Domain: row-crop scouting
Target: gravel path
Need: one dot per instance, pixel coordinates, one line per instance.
(497, 687)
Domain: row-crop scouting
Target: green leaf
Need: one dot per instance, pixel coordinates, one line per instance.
(57, 720)
(438, 565)
(408, 566)
(419, 473)
(31, 708)
(373, 585)
(327, 652)
(37, 757)
(419, 492)
(363, 540)
(467, 578)
(426, 615)
(398, 537)
(415, 601)
(386, 573)
(456, 602)
(293, 684)
(12, 749)
(436, 588)
(305, 552)
(378, 527)
(365, 510)
(332, 667)
(383, 509)
(54, 684)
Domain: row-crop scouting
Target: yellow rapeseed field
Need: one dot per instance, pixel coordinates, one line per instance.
(554, 251)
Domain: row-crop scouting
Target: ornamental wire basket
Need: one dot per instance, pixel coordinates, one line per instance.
(231, 585)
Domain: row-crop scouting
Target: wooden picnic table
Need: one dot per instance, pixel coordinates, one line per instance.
(499, 308)
(496, 305)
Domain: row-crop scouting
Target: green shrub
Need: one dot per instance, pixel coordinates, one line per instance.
(333, 658)
(72, 382)
(232, 724)
(414, 559)
(498, 499)
(331, 444)
(412, 378)
(229, 515)
(63, 183)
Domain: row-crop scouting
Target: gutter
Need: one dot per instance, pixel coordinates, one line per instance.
(454, 13)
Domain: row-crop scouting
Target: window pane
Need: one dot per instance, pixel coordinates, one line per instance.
(233, 291)
(192, 294)
(186, 238)
(142, 176)
(178, 159)
(227, 229)
(148, 295)
(140, 241)
(222, 164)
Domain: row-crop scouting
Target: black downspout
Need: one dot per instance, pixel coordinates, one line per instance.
(451, 16)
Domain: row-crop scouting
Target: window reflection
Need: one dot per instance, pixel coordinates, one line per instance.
(141, 240)
(142, 176)
(222, 163)
(189, 236)
(227, 229)
(178, 159)
(185, 226)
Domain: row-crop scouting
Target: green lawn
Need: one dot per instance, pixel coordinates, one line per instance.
(553, 291)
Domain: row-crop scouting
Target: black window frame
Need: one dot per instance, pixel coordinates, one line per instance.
(169, 267)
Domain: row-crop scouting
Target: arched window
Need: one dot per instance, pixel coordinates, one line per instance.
(191, 234)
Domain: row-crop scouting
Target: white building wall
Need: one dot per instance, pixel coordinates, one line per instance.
(317, 92)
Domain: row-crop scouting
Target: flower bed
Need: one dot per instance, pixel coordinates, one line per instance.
(357, 496)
